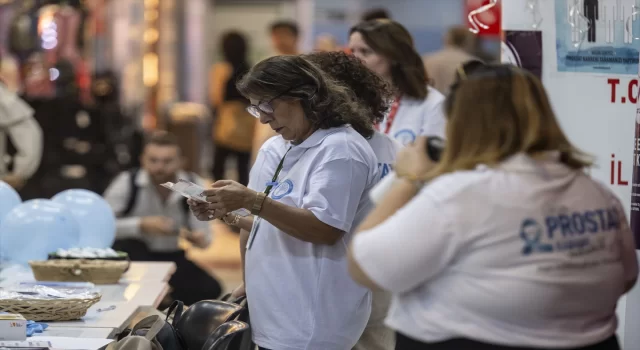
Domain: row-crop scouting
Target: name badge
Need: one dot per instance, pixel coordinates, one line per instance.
(254, 229)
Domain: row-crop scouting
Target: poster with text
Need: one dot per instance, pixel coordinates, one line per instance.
(597, 36)
(523, 48)
(635, 179)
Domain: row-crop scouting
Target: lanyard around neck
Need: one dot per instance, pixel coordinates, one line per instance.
(392, 115)
(275, 176)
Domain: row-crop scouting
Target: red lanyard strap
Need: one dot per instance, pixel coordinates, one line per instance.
(392, 115)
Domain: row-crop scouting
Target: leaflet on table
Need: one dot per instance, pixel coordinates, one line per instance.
(65, 285)
(40, 292)
(193, 191)
(25, 344)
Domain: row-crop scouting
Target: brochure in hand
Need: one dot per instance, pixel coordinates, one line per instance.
(193, 191)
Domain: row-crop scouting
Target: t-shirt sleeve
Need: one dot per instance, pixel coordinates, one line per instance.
(255, 173)
(410, 247)
(334, 191)
(434, 121)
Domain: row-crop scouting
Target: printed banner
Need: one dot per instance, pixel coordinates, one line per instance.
(635, 180)
(597, 36)
(523, 48)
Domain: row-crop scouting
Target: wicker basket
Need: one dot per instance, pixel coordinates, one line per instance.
(94, 271)
(49, 310)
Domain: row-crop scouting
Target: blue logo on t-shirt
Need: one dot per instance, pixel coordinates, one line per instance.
(567, 231)
(531, 234)
(283, 189)
(405, 136)
(384, 169)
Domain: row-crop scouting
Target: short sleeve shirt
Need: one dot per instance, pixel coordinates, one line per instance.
(385, 148)
(419, 118)
(528, 253)
(300, 293)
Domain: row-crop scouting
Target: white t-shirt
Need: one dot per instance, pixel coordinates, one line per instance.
(528, 254)
(418, 118)
(385, 148)
(300, 294)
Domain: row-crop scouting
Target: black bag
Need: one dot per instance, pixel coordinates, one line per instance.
(168, 337)
(245, 341)
(202, 319)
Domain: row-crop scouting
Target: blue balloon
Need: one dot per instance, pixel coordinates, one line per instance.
(94, 216)
(34, 229)
(9, 199)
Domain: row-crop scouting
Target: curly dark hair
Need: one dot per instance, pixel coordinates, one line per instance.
(371, 90)
(325, 101)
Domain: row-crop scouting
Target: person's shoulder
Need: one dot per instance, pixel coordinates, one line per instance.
(222, 66)
(383, 140)
(122, 180)
(602, 188)
(273, 149)
(13, 109)
(346, 135)
(450, 187)
(222, 69)
(346, 143)
(434, 98)
(433, 57)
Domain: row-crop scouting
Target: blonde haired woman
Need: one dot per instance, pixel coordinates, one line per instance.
(510, 245)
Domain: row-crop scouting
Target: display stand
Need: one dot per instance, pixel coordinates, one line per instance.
(595, 117)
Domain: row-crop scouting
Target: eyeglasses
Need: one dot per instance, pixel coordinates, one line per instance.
(266, 107)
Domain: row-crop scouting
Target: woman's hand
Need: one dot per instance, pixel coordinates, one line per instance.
(413, 160)
(203, 212)
(227, 196)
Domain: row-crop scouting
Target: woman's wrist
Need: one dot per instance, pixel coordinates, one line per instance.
(409, 184)
(249, 199)
(231, 219)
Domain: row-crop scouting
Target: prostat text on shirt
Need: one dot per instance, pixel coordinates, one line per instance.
(580, 234)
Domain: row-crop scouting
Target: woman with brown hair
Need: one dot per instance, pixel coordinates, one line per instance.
(372, 91)
(387, 48)
(299, 292)
(234, 127)
(510, 245)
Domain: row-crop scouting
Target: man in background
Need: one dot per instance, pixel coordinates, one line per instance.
(18, 125)
(284, 39)
(459, 43)
(152, 219)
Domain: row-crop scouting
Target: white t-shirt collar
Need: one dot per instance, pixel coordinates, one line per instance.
(522, 162)
(315, 139)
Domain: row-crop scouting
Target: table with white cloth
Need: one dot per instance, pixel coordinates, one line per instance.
(140, 290)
